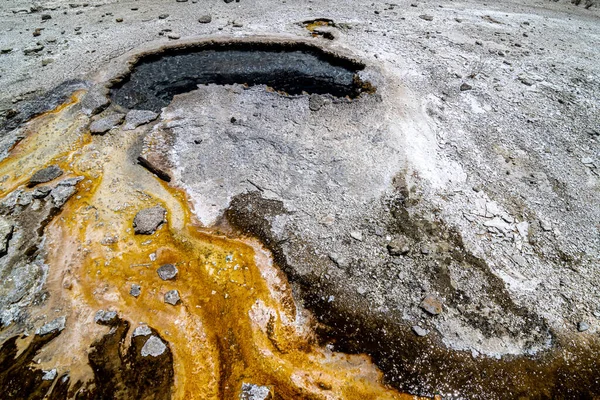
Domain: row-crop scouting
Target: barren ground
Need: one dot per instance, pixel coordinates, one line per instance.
(444, 226)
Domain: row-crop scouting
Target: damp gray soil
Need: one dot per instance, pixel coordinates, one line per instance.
(292, 69)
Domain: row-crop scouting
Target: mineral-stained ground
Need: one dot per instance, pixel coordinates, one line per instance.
(283, 200)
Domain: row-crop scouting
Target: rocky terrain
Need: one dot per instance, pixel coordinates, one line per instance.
(438, 212)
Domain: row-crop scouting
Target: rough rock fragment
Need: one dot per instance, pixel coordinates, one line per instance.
(105, 317)
(420, 331)
(49, 375)
(105, 124)
(135, 118)
(205, 19)
(398, 247)
(95, 101)
(142, 330)
(315, 102)
(167, 272)
(41, 192)
(465, 86)
(135, 290)
(582, 326)
(172, 297)
(57, 324)
(60, 194)
(70, 181)
(148, 220)
(45, 175)
(25, 198)
(432, 305)
(6, 231)
(251, 391)
(426, 17)
(154, 347)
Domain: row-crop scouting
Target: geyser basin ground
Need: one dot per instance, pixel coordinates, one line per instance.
(492, 191)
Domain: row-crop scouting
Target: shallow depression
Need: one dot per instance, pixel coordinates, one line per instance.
(292, 69)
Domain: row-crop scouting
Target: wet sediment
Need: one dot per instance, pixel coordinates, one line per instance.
(290, 68)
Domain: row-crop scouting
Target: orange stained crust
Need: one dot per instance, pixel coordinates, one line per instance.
(237, 321)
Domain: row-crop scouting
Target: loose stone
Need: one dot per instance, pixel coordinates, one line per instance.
(251, 391)
(60, 194)
(55, 325)
(135, 118)
(167, 272)
(45, 175)
(356, 235)
(6, 231)
(432, 305)
(105, 317)
(105, 124)
(205, 19)
(398, 247)
(142, 330)
(582, 326)
(172, 297)
(148, 220)
(315, 102)
(465, 86)
(419, 331)
(49, 375)
(153, 347)
(135, 290)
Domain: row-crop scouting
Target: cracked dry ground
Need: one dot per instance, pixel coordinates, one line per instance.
(233, 330)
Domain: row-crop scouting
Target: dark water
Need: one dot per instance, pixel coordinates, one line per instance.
(155, 80)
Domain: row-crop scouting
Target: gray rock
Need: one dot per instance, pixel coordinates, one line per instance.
(465, 86)
(425, 249)
(105, 317)
(95, 101)
(6, 231)
(142, 330)
(205, 19)
(432, 305)
(315, 102)
(70, 181)
(135, 118)
(398, 247)
(356, 235)
(251, 391)
(32, 50)
(60, 194)
(153, 347)
(546, 226)
(49, 375)
(55, 325)
(174, 36)
(148, 220)
(172, 297)
(105, 124)
(582, 326)
(420, 331)
(45, 175)
(167, 272)
(135, 290)
(41, 192)
(25, 198)
(163, 16)
(255, 392)
(426, 17)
